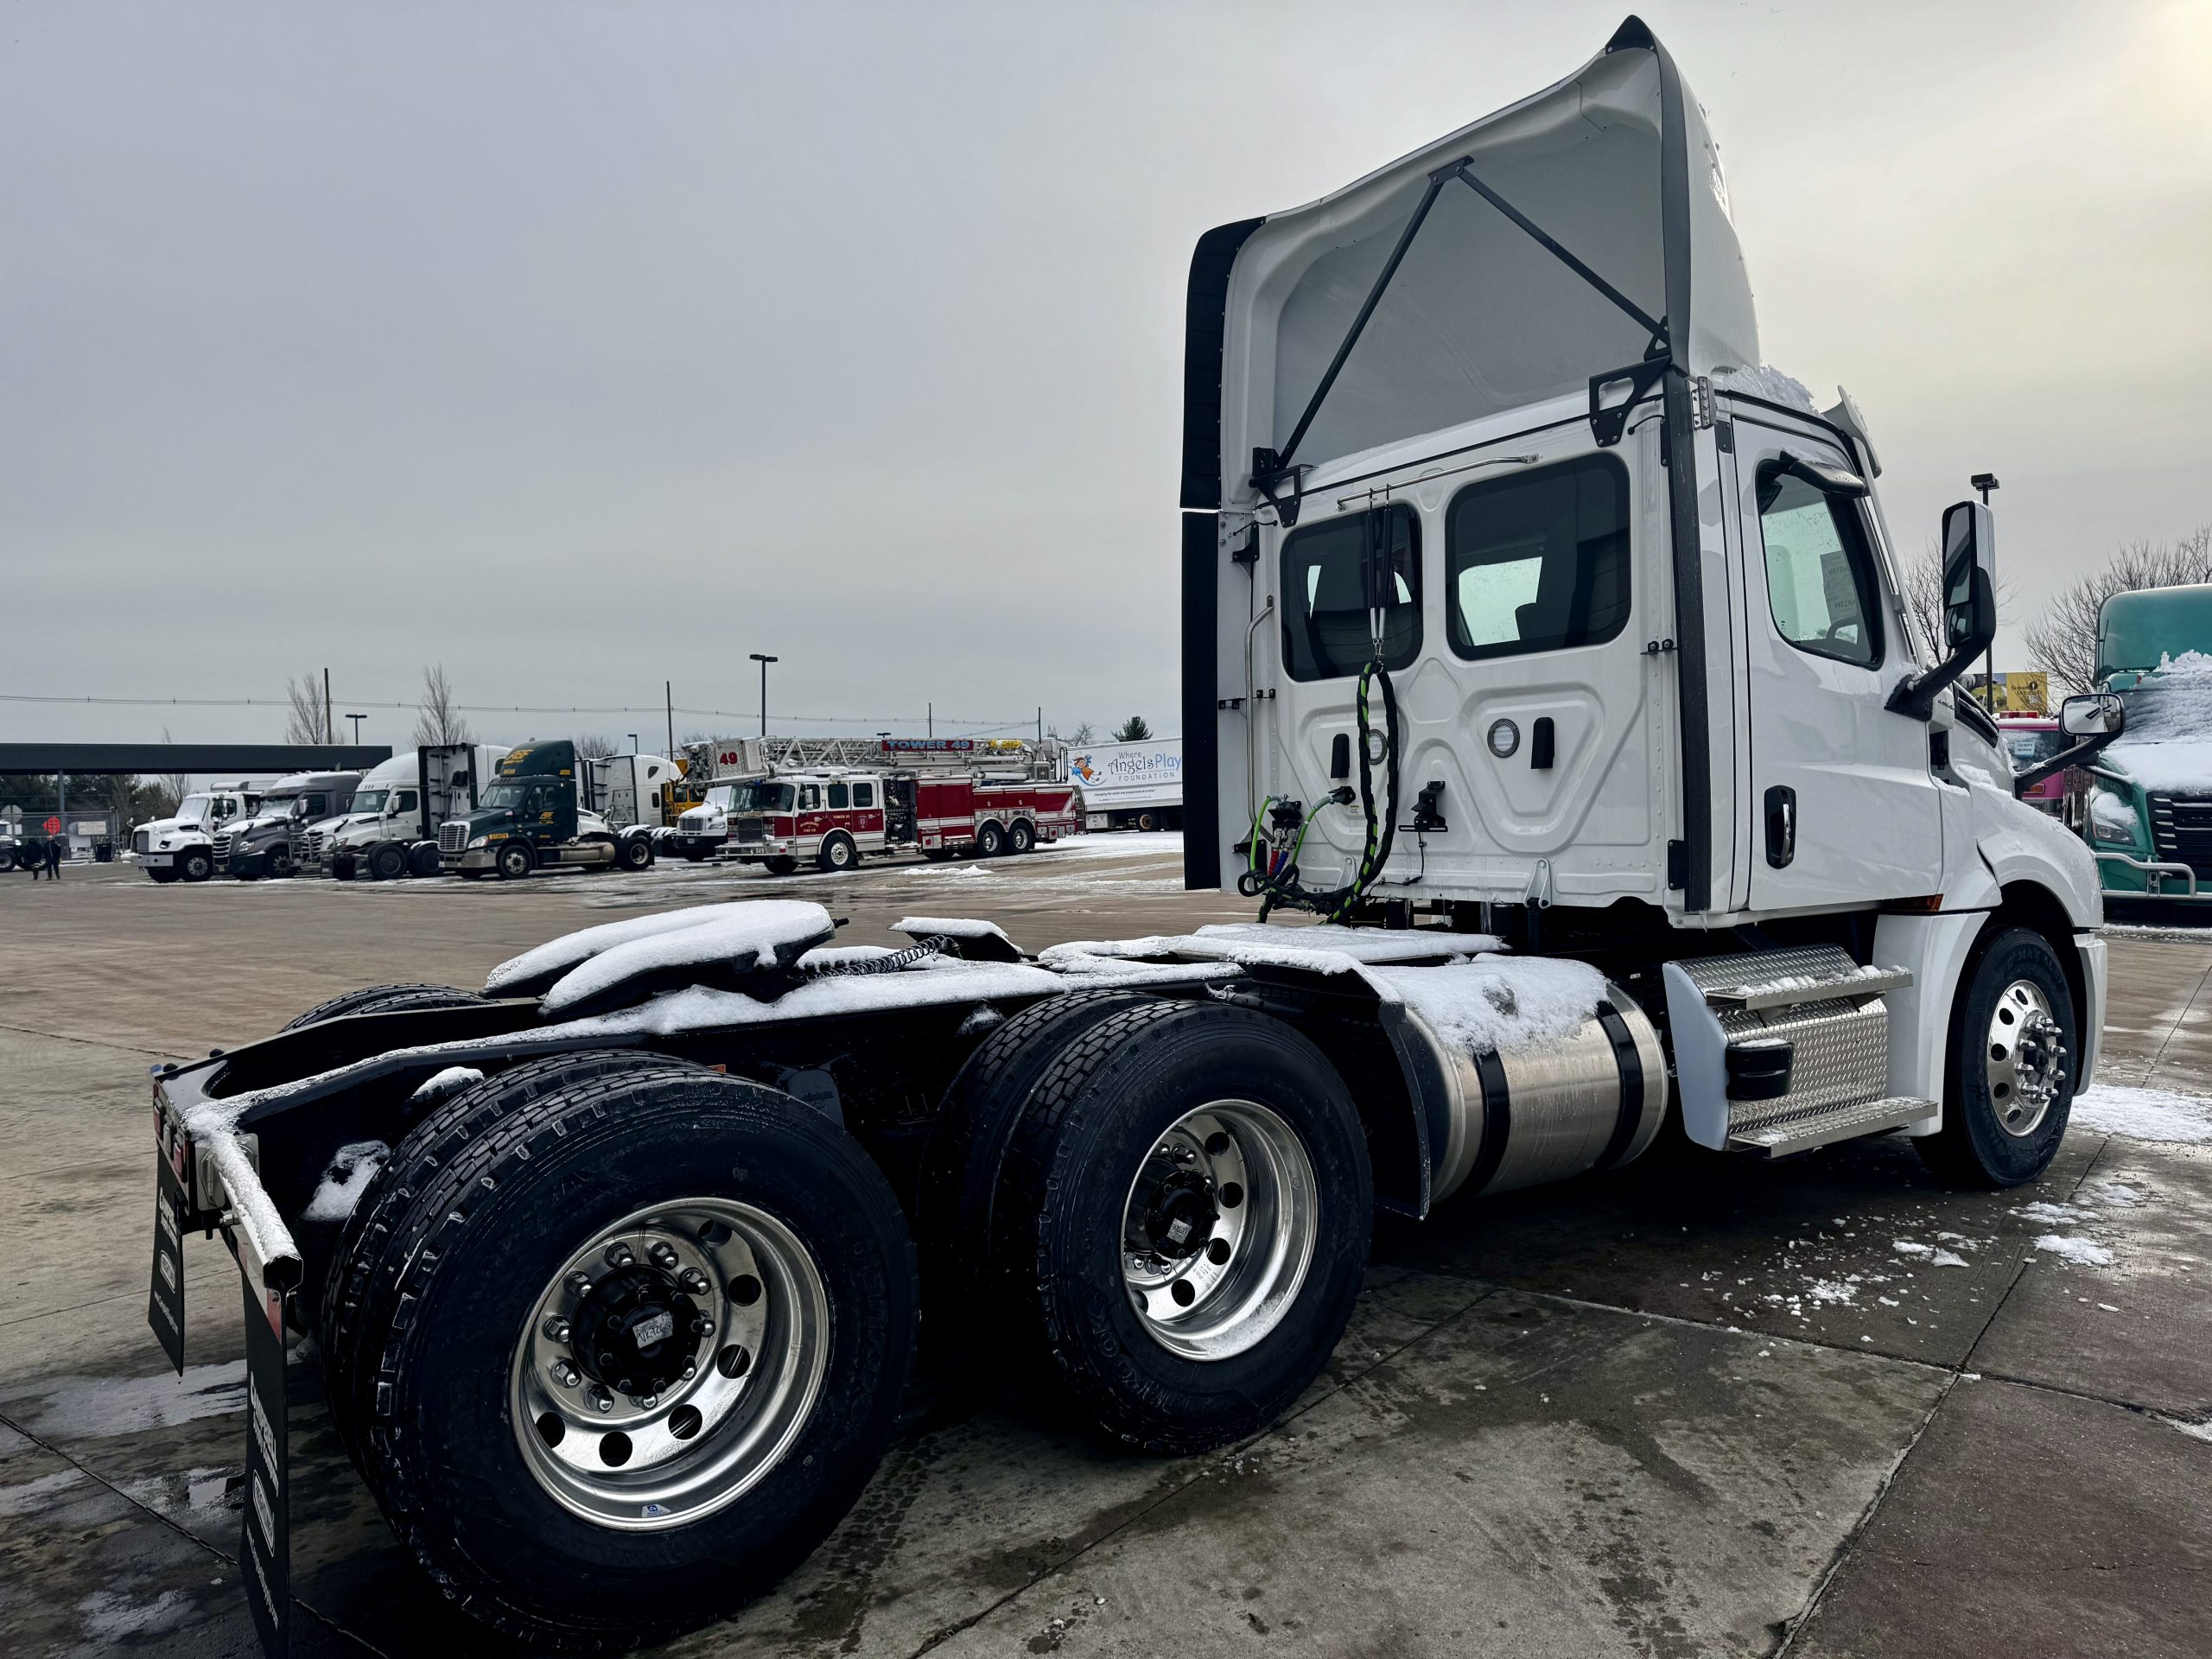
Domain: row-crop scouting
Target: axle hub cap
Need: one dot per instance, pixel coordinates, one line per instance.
(2026, 1057)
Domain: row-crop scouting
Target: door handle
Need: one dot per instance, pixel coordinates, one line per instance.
(1781, 825)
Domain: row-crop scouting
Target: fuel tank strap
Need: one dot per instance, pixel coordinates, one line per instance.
(1498, 1119)
(1631, 1113)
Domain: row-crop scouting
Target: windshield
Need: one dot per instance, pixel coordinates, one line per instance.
(370, 800)
(764, 797)
(192, 809)
(722, 797)
(2026, 748)
(279, 806)
(507, 793)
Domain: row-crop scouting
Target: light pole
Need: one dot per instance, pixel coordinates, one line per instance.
(357, 720)
(633, 742)
(764, 661)
(1985, 482)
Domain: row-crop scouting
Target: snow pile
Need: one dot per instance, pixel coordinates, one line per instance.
(1496, 1002)
(445, 1085)
(351, 1171)
(1325, 949)
(1760, 381)
(2168, 744)
(2145, 1114)
(795, 924)
(2079, 1251)
(740, 936)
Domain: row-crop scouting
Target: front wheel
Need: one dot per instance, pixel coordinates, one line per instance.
(514, 862)
(781, 866)
(278, 866)
(151, 874)
(836, 855)
(196, 866)
(657, 1328)
(2012, 1058)
(1187, 1206)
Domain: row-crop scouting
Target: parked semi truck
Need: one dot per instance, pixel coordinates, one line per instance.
(2148, 814)
(1130, 785)
(390, 829)
(265, 844)
(182, 847)
(547, 808)
(1574, 702)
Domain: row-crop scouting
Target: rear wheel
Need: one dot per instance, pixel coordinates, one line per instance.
(2012, 1066)
(729, 1253)
(423, 858)
(990, 840)
(1020, 837)
(634, 852)
(387, 862)
(1188, 1207)
(514, 862)
(388, 999)
(836, 854)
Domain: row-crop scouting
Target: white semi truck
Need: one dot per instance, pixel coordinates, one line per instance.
(390, 829)
(181, 848)
(1537, 641)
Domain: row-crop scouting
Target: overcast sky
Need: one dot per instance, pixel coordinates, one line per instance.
(584, 347)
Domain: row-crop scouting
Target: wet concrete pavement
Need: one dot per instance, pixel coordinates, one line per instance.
(1825, 1408)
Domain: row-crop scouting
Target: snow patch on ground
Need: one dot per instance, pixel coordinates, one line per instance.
(351, 1168)
(2145, 1114)
(28, 1497)
(1495, 1003)
(449, 1082)
(2079, 1251)
(2055, 1214)
(110, 1616)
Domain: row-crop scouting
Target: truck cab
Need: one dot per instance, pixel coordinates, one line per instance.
(181, 848)
(828, 818)
(263, 845)
(533, 816)
(2148, 816)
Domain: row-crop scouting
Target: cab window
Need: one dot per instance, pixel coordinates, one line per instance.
(810, 797)
(1341, 580)
(863, 794)
(1538, 560)
(406, 800)
(840, 797)
(1819, 571)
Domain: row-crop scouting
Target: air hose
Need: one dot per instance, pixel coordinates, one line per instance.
(1272, 877)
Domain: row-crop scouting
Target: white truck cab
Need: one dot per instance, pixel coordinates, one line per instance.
(1539, 601)
(181, 848)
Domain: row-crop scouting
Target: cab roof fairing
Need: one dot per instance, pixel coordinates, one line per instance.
(1479, 318)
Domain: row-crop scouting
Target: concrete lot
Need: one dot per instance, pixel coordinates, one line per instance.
(1824, 1408)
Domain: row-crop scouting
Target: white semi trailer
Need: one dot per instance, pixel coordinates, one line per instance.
(1576, 699)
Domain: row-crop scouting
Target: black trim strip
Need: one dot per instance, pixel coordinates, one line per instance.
(1201, 717)
(1205, 312)
(1630, 1062)
(1497, 1121)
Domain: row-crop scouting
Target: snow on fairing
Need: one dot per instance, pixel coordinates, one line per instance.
(790, 926)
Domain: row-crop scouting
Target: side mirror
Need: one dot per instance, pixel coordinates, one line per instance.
(2092, 720)
(1969, 606)
(2099, 714)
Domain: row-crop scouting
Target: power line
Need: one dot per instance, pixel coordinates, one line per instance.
(511, 708)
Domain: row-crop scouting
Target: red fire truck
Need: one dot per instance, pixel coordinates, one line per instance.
(956, 797)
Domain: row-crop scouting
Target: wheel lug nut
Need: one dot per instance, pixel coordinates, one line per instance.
(600, 1399)
(693, 1280)
(690, 1369)
(662, 1253)
(647, 1402)
(619, 1255)
(556, 1329)
(703, 1326)
(566, 1375)
(580, 1282)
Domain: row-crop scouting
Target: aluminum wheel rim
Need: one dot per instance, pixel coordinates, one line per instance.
(752, 1366)
(1240, 1178)
(2026, 1057)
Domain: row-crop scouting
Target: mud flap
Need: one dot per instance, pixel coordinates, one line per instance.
(165, 1306)
(266, 1549)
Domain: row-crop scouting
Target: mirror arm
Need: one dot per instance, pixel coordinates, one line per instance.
(2024, 781)
(1916, 696)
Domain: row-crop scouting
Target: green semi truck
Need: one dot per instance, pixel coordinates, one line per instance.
(2148, 812)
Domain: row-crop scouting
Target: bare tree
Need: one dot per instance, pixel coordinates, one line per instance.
(440, 720)
(1083, 733)
(304, 724)
(1923, 582)
(171, 787)
(2065, 637)
(595, 746)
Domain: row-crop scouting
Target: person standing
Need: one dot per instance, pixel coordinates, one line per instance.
(54, 858)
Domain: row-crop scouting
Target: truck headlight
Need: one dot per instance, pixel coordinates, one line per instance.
(2115, 835)
(474, 842)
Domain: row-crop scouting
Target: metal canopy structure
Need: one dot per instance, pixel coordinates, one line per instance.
(112, 759)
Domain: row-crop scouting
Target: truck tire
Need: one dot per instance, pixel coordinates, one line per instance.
(781, 866)
(423, 858)
(388, 999)
(693, 854)
(1146, 821)
(197, 865)
(836, 855)
(162, 877)
(561, 1524)
(514, 862)
(954, 1206)
(277, 866)
(990, 840)
(365, 1264)
(635, 853)
(387, 862)
(1223, 1145)
(2009, 1066)
(1021, 836)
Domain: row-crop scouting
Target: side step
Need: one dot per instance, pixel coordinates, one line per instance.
(1778, 1138)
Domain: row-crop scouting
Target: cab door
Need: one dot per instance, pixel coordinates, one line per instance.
(1844, 810)
(541, 818)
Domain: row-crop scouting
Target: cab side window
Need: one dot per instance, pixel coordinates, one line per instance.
(1820, 571)
(1342, 581)
(840, 797)
(406, 800)
(809, 797)
(1538, 560)
(863, 794)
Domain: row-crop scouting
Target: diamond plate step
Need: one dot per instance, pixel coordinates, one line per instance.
(1790, 990)
(1779, 1138)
